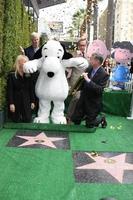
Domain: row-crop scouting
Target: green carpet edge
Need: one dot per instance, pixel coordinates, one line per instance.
(50, 127)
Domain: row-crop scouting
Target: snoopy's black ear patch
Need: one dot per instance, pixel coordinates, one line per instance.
(66, 54)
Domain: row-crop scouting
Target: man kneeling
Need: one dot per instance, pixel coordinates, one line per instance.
(90, 102)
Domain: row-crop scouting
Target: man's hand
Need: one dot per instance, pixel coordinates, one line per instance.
(12, 108)
(85, 75)
(32, 106)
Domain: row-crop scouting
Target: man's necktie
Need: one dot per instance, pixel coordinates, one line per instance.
(92, 73)
(83, 54)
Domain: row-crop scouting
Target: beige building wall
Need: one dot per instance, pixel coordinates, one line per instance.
(123, 20)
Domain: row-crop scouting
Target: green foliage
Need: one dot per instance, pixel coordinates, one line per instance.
(18, 25)
(15, 29)
(1, 31)
(2, 92)
(78, 17)
(77, 21)
(9, 35)
(2, 80)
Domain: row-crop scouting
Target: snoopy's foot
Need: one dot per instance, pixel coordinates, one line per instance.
(41, 120)
(59, 120)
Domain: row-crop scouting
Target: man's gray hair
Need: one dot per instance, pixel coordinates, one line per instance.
(35, 34)
(99, 57)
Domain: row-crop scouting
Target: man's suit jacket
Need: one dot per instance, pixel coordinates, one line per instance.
(29, 52)
(91, 94)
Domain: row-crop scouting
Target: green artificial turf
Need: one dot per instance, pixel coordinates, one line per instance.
(47, 174)
(118, 136)
(50, 127)
(35, 174)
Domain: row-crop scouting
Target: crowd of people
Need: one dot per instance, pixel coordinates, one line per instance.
(86, 101)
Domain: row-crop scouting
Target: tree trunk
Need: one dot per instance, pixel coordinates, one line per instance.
(95, 21)
(83, 28)
(89, 10)
(109, 27)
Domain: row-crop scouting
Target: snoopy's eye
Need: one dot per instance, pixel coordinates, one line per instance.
(58, 56)
(46, 56)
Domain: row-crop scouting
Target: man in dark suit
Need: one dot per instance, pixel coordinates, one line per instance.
(90, 101)
(32, 49)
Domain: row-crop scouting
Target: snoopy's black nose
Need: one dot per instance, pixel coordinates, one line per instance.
(50, 74)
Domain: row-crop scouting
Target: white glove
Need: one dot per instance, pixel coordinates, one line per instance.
(32, 66)
(78, 62)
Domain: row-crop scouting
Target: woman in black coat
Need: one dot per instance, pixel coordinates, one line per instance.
(20, 93)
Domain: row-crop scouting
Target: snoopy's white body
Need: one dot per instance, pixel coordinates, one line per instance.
(54, 88)
(52, 84)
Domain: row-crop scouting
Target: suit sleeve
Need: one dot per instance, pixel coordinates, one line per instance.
(32, 92)
(10, 90)
(98, 87)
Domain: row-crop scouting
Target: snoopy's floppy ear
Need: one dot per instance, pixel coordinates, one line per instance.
(66, 55)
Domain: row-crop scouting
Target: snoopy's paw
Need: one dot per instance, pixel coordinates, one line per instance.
(79, 62)
(41, 120)
(29, 67)
(59, 120)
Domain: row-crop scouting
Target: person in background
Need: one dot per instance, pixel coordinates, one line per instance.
(20, 92)
(81, 52)
(75, 75)
(106, 66)
(131, 68)
(89, 104)
(31, 50)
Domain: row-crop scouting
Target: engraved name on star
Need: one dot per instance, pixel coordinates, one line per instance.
(41, 138)
(114, 165)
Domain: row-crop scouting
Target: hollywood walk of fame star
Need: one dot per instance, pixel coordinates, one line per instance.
(41, 138)
(114, 165)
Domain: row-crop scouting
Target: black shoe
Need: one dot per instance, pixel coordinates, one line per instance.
(68, 121)
(77, 122)
(103, 122)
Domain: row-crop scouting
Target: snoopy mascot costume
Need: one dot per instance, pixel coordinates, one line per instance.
(51, 85)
